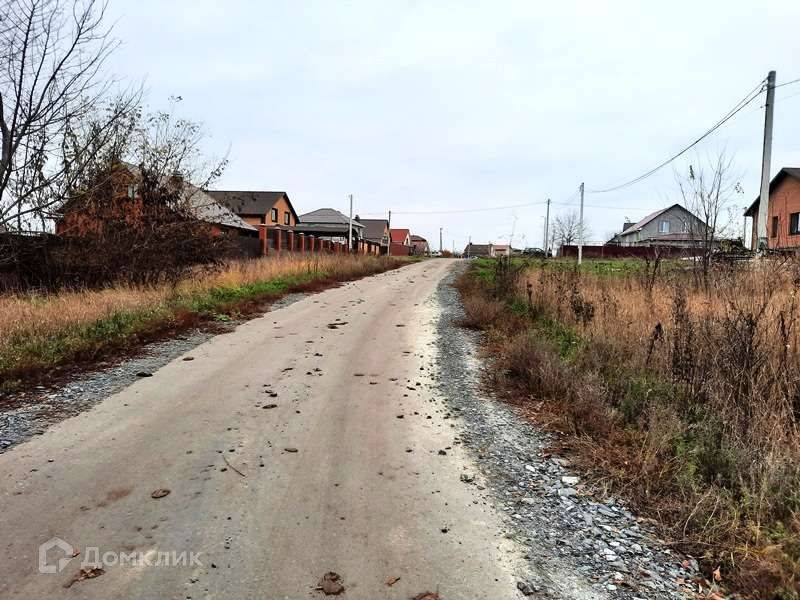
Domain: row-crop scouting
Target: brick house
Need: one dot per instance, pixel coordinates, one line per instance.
(400, 242)
(783, 218)
(271, 213)
(123, 203)
(420, 245)
(272, 209)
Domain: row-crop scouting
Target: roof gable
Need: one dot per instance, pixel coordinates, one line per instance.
(374, 229)
(399, 236)
(636, 227)
(785, 172)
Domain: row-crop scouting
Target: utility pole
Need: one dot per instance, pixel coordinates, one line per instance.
(469, 246)
(511, 237)
(766, 158)
(440, 241)
(544, 234)
(350, 229)
(580, 231)
(744, 231)
(547, 229)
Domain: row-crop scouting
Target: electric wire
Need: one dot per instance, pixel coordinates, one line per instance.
(750, 97)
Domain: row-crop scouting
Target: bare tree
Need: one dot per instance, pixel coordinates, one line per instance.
(707, 188)
(567, 227)
(138, 209)
(52, 54)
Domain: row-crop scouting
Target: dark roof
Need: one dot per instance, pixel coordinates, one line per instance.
(249, 202)
(475, 249)
(374, 229)
(782, 174)
(327, 216)
(418, 238)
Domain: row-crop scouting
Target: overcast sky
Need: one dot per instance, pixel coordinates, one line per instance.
(435, 105)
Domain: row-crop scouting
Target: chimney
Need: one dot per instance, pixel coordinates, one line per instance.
(627, 225)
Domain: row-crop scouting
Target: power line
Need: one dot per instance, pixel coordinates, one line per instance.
(788, 83)
(752, 95)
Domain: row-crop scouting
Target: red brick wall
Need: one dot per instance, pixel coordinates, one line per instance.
(396, 249)
(612, 251)
(784, 200)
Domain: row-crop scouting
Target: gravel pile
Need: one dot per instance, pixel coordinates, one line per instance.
(549, 509)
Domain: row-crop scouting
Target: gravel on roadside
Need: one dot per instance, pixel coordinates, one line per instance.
(562, 522)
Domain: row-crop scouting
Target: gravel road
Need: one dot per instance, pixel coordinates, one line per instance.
(342, 433)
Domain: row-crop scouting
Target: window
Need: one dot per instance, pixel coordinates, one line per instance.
(663, 227)
(794, 224)
(274, 215)
(286, 217)
(774, 226)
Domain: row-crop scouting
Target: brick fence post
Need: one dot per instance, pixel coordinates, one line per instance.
(291, 241)
(262, 237)
(302, 243)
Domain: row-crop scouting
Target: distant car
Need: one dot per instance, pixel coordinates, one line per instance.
(534, 253)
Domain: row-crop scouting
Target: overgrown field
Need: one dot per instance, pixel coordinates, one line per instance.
(42, 331)
(681, 392)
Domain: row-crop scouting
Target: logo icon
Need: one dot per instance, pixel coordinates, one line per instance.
(54, 555)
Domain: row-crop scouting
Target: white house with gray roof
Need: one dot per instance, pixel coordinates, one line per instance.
(671, 226)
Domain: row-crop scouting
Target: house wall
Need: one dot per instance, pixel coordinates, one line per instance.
(396, 249)
(283, 207)
(783, 201)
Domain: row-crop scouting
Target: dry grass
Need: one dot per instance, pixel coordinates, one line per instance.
(685, 395)
(47, 329)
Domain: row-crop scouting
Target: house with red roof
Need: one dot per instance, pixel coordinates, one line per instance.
(400, 242)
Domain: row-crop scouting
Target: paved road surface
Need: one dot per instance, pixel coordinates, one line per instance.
(366, 494)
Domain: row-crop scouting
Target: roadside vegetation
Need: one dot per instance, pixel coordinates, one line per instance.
(41, 331)
(681, 392)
